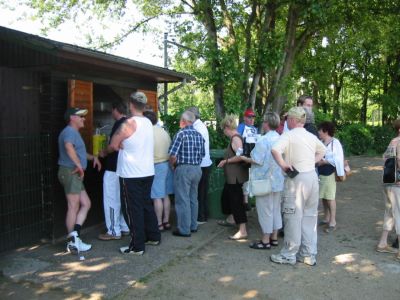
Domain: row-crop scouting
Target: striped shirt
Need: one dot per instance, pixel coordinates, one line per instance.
(188, 146)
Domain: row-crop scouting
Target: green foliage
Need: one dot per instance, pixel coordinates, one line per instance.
(381, 137)
(358, 66)
(171, 123)
(321, 117)
(217, 139)
(355, 138)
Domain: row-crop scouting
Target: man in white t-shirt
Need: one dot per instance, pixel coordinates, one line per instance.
(205, 167)
(135, 167)
(296, 152)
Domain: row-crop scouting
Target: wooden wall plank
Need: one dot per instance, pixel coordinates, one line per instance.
(80, 94)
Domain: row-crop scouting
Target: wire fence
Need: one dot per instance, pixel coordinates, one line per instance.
(26, 207)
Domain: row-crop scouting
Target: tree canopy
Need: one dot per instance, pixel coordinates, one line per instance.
(264, 53)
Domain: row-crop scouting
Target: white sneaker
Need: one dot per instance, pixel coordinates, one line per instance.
(307, 260)
(127, 250)
(280, 259)
(76, 243)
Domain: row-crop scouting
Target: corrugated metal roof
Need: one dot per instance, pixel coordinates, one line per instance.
(78, 53)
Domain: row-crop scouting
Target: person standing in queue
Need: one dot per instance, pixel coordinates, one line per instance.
(114, 219)
(296, 152)
(186, 153)
(72, 163)
(135, 167)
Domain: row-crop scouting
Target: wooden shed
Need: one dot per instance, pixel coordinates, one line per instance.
(39, 79)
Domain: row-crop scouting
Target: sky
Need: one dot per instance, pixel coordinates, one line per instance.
(139, 47)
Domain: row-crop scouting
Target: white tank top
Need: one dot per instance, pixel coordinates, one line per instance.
(136, 160)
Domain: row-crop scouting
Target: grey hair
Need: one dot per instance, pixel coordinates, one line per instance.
(273, 120)
(195, 111)
(188, 116)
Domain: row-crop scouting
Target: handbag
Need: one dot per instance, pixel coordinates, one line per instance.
(390, 170)
(260, 187)
(347, 172)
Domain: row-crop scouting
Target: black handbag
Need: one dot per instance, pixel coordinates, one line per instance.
(390, 170)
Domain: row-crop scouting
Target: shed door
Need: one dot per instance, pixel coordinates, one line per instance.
(80, 94)
(151, 99)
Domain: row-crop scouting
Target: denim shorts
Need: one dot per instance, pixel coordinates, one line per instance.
(71, 182)
(159, 187)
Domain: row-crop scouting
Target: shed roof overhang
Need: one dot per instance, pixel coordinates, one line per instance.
(72, 57)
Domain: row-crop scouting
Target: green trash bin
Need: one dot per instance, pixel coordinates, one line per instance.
(216, 185)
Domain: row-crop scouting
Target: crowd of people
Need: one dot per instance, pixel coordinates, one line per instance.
(143, 166)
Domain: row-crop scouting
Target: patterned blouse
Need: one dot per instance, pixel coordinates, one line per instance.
(265, 164)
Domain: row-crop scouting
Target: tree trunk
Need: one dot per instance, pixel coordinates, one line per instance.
(254, 86)
(365, 85)
(247, 52)
(293, 45)
(203, 9)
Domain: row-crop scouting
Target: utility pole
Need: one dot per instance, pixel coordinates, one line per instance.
(165, 66)
(166, 42)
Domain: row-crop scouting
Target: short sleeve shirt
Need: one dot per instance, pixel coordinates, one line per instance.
(188, 146)
(299, 148)
(71, 135)
(112, 158)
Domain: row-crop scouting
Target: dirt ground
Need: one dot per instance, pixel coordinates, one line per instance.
(347, 265)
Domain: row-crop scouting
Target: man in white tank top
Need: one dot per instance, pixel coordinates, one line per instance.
(135, 168)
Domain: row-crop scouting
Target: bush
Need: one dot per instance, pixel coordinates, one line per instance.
(217, 139)
(382, 137)
(355, 138)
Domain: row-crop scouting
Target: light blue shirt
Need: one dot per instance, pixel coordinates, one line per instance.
(265, 164)
(71, 135)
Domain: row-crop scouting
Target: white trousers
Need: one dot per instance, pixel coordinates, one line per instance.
(269, 212)
(392, 209)
(114, 218)
(300, 212)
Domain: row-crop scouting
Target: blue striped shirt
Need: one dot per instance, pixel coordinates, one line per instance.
(188, 146)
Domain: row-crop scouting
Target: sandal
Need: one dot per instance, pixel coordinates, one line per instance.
(166, 225)
(386, 249)
(330, 229)
(259, 245)
(237, 238)
(273, 242)
(161, 227)
(225, 223)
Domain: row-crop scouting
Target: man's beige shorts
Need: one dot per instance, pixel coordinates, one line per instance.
(327, 187)
(71, 182)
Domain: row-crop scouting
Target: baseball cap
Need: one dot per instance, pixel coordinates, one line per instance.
(249, 113)
(297, 112)
(139, 97)
(75, 111)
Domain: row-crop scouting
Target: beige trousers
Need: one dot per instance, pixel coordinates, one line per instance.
(392, 209)
(300, 212)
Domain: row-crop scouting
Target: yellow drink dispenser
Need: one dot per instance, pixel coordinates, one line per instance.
(99, 142)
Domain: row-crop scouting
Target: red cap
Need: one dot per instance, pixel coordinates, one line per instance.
(249, 113)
